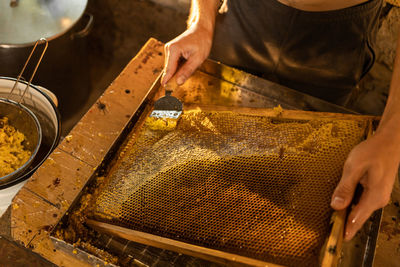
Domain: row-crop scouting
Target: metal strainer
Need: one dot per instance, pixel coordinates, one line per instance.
(22, 119)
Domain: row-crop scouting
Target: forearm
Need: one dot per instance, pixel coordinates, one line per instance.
(203, 13)
(390, 122)
(373, 163)
(193, 45)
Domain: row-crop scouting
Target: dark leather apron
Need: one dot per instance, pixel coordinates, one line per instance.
(324, 54)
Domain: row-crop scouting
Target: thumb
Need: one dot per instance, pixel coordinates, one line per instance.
(344, 191)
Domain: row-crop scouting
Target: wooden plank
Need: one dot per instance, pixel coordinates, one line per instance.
(94, 135)
(177, 246)
(57, 257)
(12, 254)
(60, 179)
(31, 215)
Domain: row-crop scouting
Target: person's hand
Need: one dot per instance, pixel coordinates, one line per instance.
(374, 164)
(194, 46)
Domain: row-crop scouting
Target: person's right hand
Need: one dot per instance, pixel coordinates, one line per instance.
(194, 46)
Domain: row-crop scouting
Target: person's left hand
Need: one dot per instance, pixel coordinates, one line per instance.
(374, 164)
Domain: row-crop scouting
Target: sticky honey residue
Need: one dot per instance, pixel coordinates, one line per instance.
(104, 255)
(75, 232)
(278, 110)
(12, 151)
(68, 138)
(160, 124)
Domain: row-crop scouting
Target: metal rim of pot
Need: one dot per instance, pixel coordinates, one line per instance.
(25, 175)
(40, 12)
(80, 34)
(65, 68)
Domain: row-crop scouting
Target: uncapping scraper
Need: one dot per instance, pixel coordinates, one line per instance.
(168, 106)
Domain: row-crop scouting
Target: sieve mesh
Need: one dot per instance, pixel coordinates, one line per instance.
(251, 185)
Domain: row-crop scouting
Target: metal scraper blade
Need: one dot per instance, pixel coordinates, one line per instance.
(169, 114)
(167, 106)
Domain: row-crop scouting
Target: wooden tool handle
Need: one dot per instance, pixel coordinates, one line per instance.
(334, 244)
(171, 85)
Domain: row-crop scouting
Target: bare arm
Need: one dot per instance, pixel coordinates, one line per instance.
(203, 12)
(373, 163)
(194, 44)
(390, 122)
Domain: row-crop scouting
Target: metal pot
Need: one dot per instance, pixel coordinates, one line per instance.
(45, 110)
(64, 69)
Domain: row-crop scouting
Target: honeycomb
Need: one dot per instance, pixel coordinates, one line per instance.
(250, 185)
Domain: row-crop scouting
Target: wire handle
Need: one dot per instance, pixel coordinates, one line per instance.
(42, 40)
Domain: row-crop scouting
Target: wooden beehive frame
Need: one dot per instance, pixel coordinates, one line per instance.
(330, 253)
